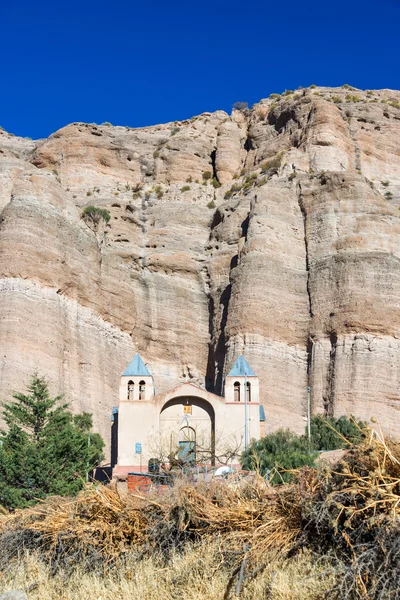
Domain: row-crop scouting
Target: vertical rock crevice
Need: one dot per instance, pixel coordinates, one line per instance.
(304, 214)
(329, 396)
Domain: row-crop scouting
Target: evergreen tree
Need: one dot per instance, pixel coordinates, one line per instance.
(278, 452)
(329, 433)
(46, 450)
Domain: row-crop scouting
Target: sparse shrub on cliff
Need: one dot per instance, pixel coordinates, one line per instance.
(352, 98)
(174, 130)
(287, 92)
(211, 204)
(236, 187)
(216, 183)
(274, 96)
(272, 163)
(107, 124)
(45, 450)
(240, 106)
(189, 179)
(385, 183)
(159, 191)
(336, 99)
(291, 176)
(185, 188)
(207, 175)
(346, 86)
(388, 195)
(156, 153)
(95, 215)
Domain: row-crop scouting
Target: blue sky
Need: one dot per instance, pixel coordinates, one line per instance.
(137, 64)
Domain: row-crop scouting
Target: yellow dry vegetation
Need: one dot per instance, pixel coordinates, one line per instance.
(197, 574)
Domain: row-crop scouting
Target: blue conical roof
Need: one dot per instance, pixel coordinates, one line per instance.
(241, 368)
(136, 368)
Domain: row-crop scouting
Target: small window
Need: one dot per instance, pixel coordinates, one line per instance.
(131, 387)
(248, 391)
(142, 389)
(236, 391)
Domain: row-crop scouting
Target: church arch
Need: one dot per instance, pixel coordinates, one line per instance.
(131, 388)
(248, 391)
(205, 406)
(142, 390)
(236, 391)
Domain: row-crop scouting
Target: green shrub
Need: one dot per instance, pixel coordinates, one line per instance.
(385, 183)
(312, 86)
(336, 99)
(272, 163)
(174, 130)
(291, 176)
(216, 183)
(185, 188)
(388, 195)
(274, 96)
(156, 153)
(278, 452)
(94, 214)
(207, 175)
(287, 93)
(352, 98)
(346, 86)
(211, 204)
(107, 124)
(189, 179)
(328, 433)
(159, 191)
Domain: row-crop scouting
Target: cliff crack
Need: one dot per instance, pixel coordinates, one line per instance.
(304, 214)
(329, 397)
(213, 157)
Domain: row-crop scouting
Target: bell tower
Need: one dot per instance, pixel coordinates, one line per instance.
(242, 383)
(137, 414)
(242, 398)
(136, 382)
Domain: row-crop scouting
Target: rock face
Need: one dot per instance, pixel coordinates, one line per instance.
(273, 232)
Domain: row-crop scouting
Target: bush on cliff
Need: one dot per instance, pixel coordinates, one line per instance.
(46, 450)
(95, 214)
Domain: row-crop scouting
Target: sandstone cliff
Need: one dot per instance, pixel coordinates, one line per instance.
(273, 232)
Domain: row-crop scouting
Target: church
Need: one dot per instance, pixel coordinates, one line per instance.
(187, 421)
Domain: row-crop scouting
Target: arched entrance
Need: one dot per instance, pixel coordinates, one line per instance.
(187, 427)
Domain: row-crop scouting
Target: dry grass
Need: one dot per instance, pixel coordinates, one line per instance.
(100, 526)
(335, 534)
(197, 574)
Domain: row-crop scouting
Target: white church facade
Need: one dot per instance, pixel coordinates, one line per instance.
(186, 421)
